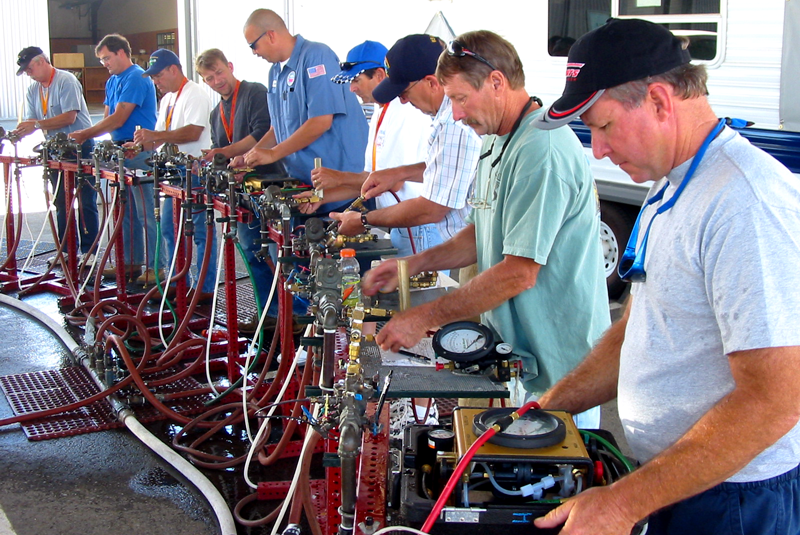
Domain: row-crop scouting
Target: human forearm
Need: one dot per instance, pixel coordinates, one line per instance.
(59, 121)
(388, 179)
(238, 148)
(267, 141)
(457, 252)
(304, 136)
(408, 213)
(184, 134)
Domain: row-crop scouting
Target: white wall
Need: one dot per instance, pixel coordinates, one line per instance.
(22, 24)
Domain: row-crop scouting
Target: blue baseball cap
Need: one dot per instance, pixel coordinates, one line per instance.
(410, 59)
(160, 60)
(367, 55)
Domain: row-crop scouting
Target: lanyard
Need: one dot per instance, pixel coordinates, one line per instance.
(229, 127)
(46, 96)
(171, 107)
(375, 140)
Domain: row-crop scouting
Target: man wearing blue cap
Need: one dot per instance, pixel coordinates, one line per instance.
(705, 362)
(311, 116)
(453, 148)
(54, 104)
(398, 135)
(183, 119)
(130, 102)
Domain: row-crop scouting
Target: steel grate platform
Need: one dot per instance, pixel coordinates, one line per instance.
(24, 249)
(32, 392)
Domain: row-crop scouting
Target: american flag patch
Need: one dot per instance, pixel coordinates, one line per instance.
(318, 70)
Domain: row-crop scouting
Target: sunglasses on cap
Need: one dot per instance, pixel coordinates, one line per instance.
(458, 50)
(347, 65)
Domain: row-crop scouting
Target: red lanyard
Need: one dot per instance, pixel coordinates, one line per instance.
(377, 129)
(46, 96)
(229, 127)
(171, 107)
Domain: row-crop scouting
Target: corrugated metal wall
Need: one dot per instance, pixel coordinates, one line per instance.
(22, 23)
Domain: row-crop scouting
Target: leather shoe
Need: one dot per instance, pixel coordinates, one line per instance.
(131, 271)
(249, 326)
(205, 297)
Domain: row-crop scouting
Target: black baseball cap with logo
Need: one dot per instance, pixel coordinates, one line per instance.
(410, 59)
(24, 58)
(621, 51)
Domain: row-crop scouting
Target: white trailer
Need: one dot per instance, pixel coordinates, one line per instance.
(745, 46)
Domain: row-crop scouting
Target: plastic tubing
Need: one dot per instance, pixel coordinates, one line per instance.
(462, 465)
(618, 454)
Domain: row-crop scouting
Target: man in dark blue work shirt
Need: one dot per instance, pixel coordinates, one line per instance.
(312, 117)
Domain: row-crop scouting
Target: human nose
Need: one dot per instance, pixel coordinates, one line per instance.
(600, 148)
(458, 112)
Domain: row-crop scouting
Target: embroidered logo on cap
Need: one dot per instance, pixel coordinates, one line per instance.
(317, 70)
(573, 70)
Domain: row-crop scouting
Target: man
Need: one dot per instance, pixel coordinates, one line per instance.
(183, 119)
(705, 360)
(453, 150)
(533, 229)
(398, 135)
(130, 102)
(54, 104)
(237, 123)
(311, 116)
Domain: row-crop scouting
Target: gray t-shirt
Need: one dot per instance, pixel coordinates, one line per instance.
(722, 276)
(64, 94)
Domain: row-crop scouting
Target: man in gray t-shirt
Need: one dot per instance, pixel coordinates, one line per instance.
(704, 363)
(54, 104)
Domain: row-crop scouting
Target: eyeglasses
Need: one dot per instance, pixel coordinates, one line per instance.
(491, 184)
(254, 43)
(347, 65)
(404, 94)
(457, 50)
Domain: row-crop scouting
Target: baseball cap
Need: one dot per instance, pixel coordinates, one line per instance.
(25, 57)
(411, 59)
(160, 60)
(367, 55)
(618, 52)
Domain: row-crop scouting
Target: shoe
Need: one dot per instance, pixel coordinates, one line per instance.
(132, 271)
(302, 357)
(148, 278)
(401, 415)
(86, 259)
(172, 291)
(249, 326)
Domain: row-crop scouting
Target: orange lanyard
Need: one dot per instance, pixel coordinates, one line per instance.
(171, 107)
(46, 96)
(229, 127)
(377, 129)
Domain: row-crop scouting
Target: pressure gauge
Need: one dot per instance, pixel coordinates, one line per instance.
(463, 341)
(441, 439)
(503, 348)
(534, 429)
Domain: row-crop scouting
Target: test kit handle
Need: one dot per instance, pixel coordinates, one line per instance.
(318, 192)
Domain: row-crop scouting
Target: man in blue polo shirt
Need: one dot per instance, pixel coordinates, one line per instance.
(312, 117)
(130, 102)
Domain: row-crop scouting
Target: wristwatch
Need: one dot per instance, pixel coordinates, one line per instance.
(37, 126)
(364, 219)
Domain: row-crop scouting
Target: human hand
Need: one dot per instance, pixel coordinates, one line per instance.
(349, 223)
(378, 182)
(25, 127)
(79, 136)
(237, 162)
(405, 329)
(592, 512)
(382, 278)
(307, 207)
(142, 136)
(323, 177)
(255, 157)
(208, 154)
(131, 149)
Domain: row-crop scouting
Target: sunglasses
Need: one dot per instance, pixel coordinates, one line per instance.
(257, 39)
(457, 50)
(347, 65)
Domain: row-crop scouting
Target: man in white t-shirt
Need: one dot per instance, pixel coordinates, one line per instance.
(398, 135)
(183, 119)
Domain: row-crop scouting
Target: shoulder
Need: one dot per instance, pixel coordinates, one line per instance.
(252, 88)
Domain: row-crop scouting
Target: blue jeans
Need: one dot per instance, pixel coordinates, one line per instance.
(250, 239)
(87, 211)
(200, 229)
(139, 214)
(425, 237)
(767, 507)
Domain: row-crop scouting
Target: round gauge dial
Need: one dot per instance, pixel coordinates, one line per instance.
(463, 341)
(441, 439)
(534, 429)
(504, 348)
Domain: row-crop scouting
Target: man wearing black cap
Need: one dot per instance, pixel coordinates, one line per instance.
(55, 104)
(183, 119)
(533, 229)
(398, 136)
(704, 363)
(453, 150)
